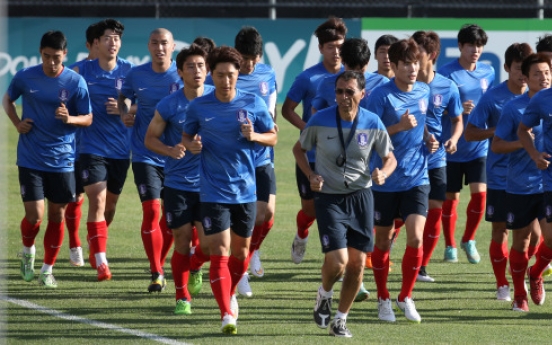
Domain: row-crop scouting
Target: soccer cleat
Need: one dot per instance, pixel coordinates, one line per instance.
(195, 282)
(547, 271)
(298, 249)
(385, 310)
(520, 304)
(183, 307)
(536, 288)
(244, 288)
(47, 280)
(451, 254)
(338, 328)
(362, 294)
(158, 283)
(234, 306)
(409, 310)
(503, 293)
(103, 272)
(471, 251)
(229, 325)
(423, 276)
(322, 310)
(75, 257)
(255, 264)
(27, 266)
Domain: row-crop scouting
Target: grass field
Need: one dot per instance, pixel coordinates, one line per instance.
(459, 308)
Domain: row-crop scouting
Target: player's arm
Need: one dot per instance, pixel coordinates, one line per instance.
(288, 112)
(81, 120)
(268, 138)
(379, 176)
(406, 122)
(474, 133)
(500, 145)
(153, 143)
(192, 143)
(316, 181)
(541, 159)
(456, 129)
(124, 106)
(22, 126)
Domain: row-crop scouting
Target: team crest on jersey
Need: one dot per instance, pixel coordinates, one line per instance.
(490, 210)
(510, 217)
(85, 174)
(548, 210)
(484, 84)
(263, 88)
(325, 241)
(242, 116)
(362, 139)
(207, 223)
(63, 95)
(142, 189)
(119, 84)
(173, 88)
(22, 190)
(423, 106)
(437, 100)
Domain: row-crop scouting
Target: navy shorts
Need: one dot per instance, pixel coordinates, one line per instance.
(79, 188)
(391, 205)
(548, 206)
(265, 182)
(94, 169)
(496, 206)
(181, 207)
(56, 187)
(303, 183)
(523, 209)
(345, 220)
(438, 183)
(218, 217)
(149, 180)
(471, 172)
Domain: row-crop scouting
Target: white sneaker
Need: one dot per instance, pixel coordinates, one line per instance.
(409, 310)
(385, 310)
(298, 249)
(503, 293)
(244, 288)
(255, 264)
(75, 256)
(234, 307)
(229, 325)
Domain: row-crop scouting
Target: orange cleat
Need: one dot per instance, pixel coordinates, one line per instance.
(103, 273)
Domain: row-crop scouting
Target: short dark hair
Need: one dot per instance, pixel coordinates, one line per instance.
(532, 60)
(430, 41)
(355, 53)
(110, 24)
(350, 75)
(385, 40)
(333, 29)
(206, 43)
(53, 39)
(517, 52)
(544, 44)
(249, 42)
(185, 53)
(91, 33)
(403, 50)
(472, 34)
(224, 54)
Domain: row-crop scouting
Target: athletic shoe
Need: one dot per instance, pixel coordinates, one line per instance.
(255, 264)
(423, 276)
(385, 310)
(47, 280)
(298, 249)
(27, 266)
(547, 271)
(409, 310)
(75, 257)
(183, 307)
(503, 293)
(234, 306)
(451, 254)
(103, 272)
(471, 251)
(195, 282)
(158, 283)
(229, 325)
(520, 304)
(244, 288)
(536, 287)
(322, 310)
(338, 328)
(362, 294)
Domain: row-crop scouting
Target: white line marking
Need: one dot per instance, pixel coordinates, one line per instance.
(55, 313)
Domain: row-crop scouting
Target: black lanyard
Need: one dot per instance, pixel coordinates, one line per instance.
(340, 161)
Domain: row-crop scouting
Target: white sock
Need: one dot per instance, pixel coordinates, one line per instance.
(46, 268)
(29, 250)
(324, 293)
(100, 259)
(340, 315)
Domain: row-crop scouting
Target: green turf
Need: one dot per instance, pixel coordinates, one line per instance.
(458, 309)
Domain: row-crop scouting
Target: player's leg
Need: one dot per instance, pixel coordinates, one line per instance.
(305, 217)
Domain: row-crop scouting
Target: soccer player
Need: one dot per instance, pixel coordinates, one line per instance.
(402, 106)
(343, 198)
(181, 185)
(223, 127)
(544, 45)
(55, 102)
(473, 79)
(149, 83)
(330, 36)
(444, 102)
(382, 57)
(104, 147)
(482, 123)
(524, 188)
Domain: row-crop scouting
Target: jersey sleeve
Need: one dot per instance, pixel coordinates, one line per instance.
(82, 98)
(480, 114)
(383, 143)
(308, 136)
(191, 126)
(16, 87)
(127, 90)
(263, 119)
(506, 128)
(163, 109)
(454, 106)
(532, 116)
(298, 89)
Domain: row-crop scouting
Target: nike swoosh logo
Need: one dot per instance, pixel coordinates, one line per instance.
(181, 121)
(216, 280)
(91, 83)
(330, 137)
(209, 119)
(142, 88)
(33, 91)
(459, 85)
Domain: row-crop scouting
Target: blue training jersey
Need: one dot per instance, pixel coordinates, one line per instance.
(79, 129)
(49, 145)
(148, 87)
(181, 174)
(227, 169)
(472, 85)
(390, 103)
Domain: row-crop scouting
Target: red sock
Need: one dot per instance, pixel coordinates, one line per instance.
(532, 251)
(168, 238)
(432, 230)
(474, 212)
(380, 267)
(198, 259)
(97, 236)
(518, 266)
(53, 239)
(195, 238)
(29, 232)
(498, 253)
(237, 268)
(449, 218)
(256, 238)
(180, 266)
(411, 262)
(73, 215)
(303, 224)
(398, 225)
(544, 256)
(221, 282)
(151, 234)
(267, 226)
